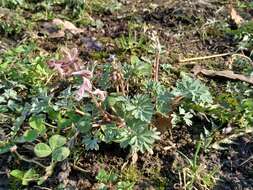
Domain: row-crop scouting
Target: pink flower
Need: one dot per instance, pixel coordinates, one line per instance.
(66, 65)
(60, 70)
(101, 94)
(85, 87)
(57, 66)
(84, 73)
(71, 55)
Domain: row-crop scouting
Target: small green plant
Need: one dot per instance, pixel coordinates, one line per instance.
(13, 24)
(182, 116)
(133, 43)
(55, 148)
(11, 3)
(194, 174)
(137, 69)
(25, 176)
(21, 64)
(108, 180)
(243, 35)
(102, 6)
(77, 7)
(137, 114)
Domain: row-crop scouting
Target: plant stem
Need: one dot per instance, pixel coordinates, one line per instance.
(157, 64)
(107, 116)
(29, 160)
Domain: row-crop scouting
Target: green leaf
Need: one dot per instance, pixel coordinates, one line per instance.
(84, 124)
(41, 180)
(192, 89)
(10, 94)
(110, 133)
(118, 104)
(102, 176)
(155, 88)
(91, 143)
(29, 176)
(57, 141)
(3, 109)
(63, 122)
(5, 147)
(164, 103)
(60, 154)
(42, 150)
(30, 135)
(13, 106)
(53, 114)
(18, 122)
(140, 68)
(141, 108)
(141, 139)
(37, 123)
(17, 174)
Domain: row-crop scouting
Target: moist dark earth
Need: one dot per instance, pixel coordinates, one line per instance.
(181, 26)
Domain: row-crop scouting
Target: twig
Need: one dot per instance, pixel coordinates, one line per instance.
(49, 125)
(84, 172)
(3, 173)
(80, 112)
(79, 168)
(28, 160)
(204, 57)
(103, 112)
(250, 158)
(49, 79)
(107, 116)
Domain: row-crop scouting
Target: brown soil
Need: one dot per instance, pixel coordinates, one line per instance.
(180, 26)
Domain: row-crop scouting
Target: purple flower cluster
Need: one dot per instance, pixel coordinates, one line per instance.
(70, 66)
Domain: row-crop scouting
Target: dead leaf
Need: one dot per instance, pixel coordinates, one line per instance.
(57, 28)
(66, 25)
(162, 122)
(225, 73)
(235, 16)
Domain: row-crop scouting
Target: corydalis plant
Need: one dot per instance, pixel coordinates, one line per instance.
(68, 64)
(71, 65)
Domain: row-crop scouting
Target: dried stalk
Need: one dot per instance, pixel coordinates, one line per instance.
(158, 49)
(204, 57)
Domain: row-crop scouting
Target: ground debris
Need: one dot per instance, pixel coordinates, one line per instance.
(57, 28)
(225, 73)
